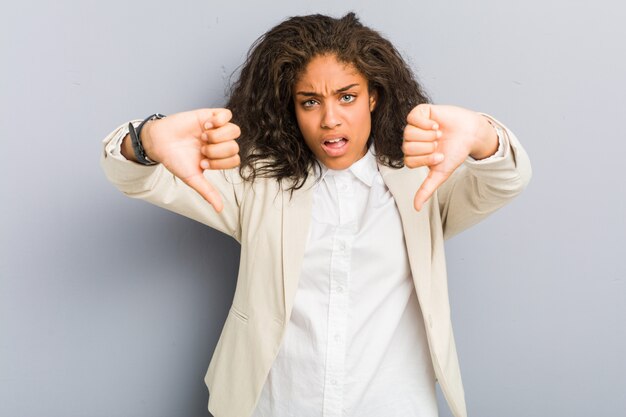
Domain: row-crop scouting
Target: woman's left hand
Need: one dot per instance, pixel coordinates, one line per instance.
(442, 137)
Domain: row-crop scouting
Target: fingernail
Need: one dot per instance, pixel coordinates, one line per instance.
(204, 164)
(438, 157)
(438, 134)
(435, 126)
(208, 125)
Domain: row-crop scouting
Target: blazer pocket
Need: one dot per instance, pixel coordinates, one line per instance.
(240, 315)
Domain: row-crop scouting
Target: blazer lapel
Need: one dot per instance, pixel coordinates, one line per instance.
(403, 184)
(295, 231)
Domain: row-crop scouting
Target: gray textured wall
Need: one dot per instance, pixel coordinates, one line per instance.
(111, 307)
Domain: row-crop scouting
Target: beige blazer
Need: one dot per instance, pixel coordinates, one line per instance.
(272, 230)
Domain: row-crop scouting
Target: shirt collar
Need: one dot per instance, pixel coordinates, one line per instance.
(365, 169)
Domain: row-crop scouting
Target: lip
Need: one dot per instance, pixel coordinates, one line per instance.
(334, 151)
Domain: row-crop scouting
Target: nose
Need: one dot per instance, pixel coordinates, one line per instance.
(330, 117)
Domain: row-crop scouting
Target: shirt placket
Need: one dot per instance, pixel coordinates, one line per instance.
(338, 298)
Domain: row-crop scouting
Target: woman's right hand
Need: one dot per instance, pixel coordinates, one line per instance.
(188, 143)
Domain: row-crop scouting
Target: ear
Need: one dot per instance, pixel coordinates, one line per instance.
(373, 100)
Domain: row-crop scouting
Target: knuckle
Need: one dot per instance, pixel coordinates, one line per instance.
(410, 133)
(434, 159)
(209, 152)
(233, 131)
(217, 164)
(233, 162)
(224, 116)
(220, 117)
(210, 136)
(411, 117)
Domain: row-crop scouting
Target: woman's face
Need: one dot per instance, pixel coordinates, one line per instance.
(333, 107)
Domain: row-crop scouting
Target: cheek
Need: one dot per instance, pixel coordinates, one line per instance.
(365, 120)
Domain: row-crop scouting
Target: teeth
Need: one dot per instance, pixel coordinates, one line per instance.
(334, 140)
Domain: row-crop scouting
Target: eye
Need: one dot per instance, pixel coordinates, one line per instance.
(347, 98)
(309, 103)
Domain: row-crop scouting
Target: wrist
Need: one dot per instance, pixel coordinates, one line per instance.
(487, 140)
(145, 136)
(137, 136)
(126, 149)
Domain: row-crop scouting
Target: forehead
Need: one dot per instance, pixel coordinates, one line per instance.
(326, 70)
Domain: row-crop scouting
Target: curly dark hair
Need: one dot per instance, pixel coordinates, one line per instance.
(261, 100)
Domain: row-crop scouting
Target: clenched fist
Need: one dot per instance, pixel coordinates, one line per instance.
(442, 137)
(189, 142)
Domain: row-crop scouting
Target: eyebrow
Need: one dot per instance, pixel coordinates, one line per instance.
(341, 90)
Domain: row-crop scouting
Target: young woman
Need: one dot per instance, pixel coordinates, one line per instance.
(341, 182)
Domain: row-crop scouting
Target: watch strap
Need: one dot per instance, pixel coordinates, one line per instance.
(135, 139)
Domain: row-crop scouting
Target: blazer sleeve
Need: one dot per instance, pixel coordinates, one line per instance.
(160, 187)
(478, 188)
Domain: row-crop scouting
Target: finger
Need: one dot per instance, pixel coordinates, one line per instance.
(418, 148)
(220, 150)
(416, 134)
(215, 118)
(423, 160)
(230, 131)
(420, 117)
(225, 163)
(428, 187)
(203, 187)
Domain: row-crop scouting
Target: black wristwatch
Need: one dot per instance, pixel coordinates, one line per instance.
(135, 140)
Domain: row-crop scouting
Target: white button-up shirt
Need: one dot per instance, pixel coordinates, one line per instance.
(355, 344)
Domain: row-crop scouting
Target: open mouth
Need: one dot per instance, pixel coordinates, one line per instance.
(335, 143)
(335, 147)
